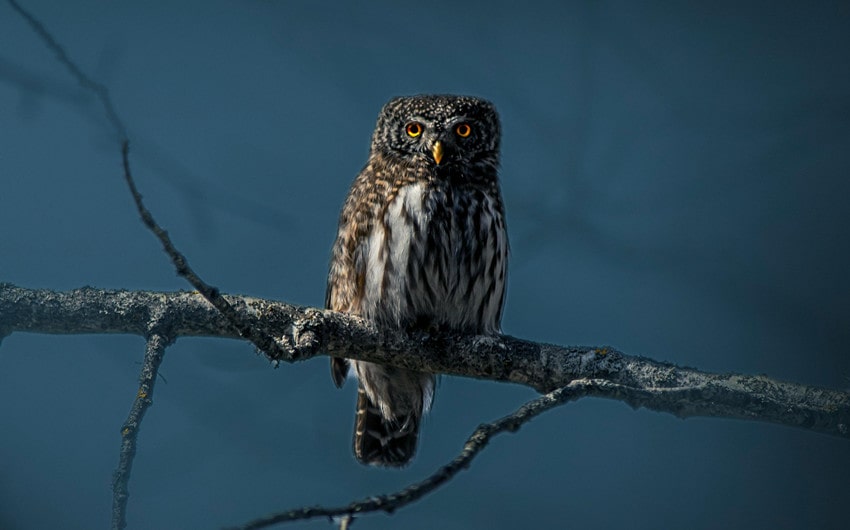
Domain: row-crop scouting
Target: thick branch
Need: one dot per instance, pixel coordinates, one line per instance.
(302, 333)
(290, 333)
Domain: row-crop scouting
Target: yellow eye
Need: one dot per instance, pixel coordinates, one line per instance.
(463, 130)
(414, 129)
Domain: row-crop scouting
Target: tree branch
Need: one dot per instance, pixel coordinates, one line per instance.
(473, 446)
(302, 333)
(256, 335)
(84, 80)
(247, 329)
(154, 352)
(290, 333)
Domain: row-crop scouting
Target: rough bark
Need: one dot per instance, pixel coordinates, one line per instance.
(302, 333)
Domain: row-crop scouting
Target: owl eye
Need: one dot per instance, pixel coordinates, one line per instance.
(463, 130)
(414, 129)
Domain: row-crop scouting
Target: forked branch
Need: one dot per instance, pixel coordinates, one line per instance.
(302, 333)
(289, 333)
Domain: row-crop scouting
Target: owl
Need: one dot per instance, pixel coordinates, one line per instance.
(421, 247)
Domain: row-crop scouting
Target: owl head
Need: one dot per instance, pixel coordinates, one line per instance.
(439, 131)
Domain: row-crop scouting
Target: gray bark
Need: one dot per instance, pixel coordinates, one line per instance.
(302, 333)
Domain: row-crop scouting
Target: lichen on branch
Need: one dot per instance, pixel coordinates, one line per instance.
(301, 333)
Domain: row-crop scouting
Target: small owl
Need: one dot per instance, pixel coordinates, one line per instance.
(421, 247)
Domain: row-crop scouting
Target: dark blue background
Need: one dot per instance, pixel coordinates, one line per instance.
(676, 178)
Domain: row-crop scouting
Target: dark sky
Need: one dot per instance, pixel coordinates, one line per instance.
(676, 176)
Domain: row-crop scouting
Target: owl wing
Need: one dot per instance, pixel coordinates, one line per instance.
(347, 274)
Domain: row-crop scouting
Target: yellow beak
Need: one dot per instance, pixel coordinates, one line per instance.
(437, 151)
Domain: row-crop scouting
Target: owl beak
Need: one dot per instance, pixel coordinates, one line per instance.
(437, 151)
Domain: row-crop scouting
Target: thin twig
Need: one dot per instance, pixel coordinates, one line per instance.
(85, 81)
(156, 343)
(154, 352)
(247, 329)
(263, 341)
(473, 446)
(721, 395)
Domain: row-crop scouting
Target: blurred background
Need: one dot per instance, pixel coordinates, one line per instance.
(676, 182)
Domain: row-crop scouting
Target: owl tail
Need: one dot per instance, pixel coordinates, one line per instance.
(383, 442)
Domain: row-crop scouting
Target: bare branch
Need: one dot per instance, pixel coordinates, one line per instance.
(157, 343)
(85, 81)
(303, 333)
(154, 352)
(247, 329)
(473, 446)
(290, 333)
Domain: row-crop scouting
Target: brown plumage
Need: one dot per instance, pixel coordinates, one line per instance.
(421, 246)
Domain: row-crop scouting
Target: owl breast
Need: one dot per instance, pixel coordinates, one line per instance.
(437, 258)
